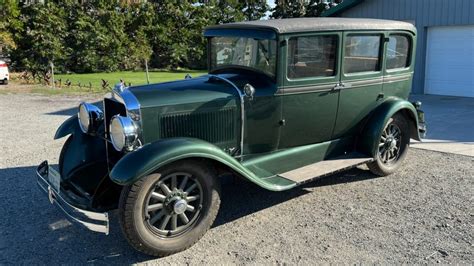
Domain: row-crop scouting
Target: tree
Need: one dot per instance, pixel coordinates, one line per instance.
(9, 22)
(254, 9)
(288, 9)
(315, 8)
(296, 9)
(42, 37)
(100, 35)
(83, 39)
(140, 29)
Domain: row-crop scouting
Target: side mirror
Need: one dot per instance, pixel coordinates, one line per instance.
(249, 91)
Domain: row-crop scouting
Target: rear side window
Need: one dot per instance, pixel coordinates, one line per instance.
(398, 51)
(312, 56)
(362, 53)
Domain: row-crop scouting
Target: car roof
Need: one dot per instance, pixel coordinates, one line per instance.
(291, 25)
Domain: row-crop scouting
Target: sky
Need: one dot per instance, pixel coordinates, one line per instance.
(271, 3)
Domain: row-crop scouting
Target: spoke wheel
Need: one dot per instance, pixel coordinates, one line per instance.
(173, 204)
(389, 145)
(168, 211)
(392, 146)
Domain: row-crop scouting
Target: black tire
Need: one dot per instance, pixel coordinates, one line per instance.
(5, 82)
(383, 165)
(136, 222)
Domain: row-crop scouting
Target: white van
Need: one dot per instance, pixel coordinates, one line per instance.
(4, 75)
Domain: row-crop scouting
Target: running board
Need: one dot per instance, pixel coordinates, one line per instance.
(324, 168)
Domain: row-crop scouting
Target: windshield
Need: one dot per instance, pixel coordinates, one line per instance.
(243, 52)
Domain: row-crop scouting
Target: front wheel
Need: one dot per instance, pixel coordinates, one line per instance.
(169, 211)
(392, 147)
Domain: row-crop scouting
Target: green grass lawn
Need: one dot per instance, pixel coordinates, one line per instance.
(135, 78)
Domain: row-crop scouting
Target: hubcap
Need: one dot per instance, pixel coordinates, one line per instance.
(173, 204)
(390, 143)
(180, 206)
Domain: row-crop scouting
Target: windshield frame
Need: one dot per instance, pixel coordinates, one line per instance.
(243, 33)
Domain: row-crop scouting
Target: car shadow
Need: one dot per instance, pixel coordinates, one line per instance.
(73, 110)
(240, 197)
(35, 232)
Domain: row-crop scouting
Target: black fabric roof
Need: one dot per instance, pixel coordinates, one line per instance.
(290, 25)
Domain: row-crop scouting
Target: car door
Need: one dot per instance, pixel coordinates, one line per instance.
(361, 80)
(309, 101)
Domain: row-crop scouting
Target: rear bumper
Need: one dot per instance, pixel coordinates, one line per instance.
(421, 119)
(94, 221)
(422, 129)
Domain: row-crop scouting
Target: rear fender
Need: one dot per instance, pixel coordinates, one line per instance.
(370, 135)
(151, 157)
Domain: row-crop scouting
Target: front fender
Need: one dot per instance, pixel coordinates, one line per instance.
(369, 138)
(67, 127)
(151, 157)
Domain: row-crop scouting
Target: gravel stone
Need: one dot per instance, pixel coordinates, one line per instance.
(421, 214)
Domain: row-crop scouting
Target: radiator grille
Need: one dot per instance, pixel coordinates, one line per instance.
(215, 126)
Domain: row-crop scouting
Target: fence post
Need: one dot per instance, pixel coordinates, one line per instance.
(52, 74)
(146, 69)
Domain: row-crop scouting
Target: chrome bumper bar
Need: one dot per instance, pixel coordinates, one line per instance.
(94, 221)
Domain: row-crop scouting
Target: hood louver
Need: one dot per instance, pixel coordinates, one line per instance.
(215, 127)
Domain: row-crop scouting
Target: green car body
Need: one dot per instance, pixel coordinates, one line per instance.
(245, 122)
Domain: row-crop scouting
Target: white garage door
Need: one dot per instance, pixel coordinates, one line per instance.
(450, 61)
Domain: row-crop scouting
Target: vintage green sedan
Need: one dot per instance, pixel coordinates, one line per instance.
(285, 102)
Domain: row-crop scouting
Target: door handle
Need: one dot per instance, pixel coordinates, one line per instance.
(338, 87)
(341, 85)
(346, 85)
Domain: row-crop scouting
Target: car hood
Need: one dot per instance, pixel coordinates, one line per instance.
(199, 89)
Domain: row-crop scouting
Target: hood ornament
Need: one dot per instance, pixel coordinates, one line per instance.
(119, 87)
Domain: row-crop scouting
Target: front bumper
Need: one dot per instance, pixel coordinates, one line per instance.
(47, 179)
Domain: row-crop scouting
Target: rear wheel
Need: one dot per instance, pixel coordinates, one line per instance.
(169, 211)
(5, 81)
(392, 146)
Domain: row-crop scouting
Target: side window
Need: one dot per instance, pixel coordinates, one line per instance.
(312, 56)
(362, 53)
(398, 51)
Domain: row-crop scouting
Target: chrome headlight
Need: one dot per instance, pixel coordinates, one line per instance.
(123, 133)
(90, 118)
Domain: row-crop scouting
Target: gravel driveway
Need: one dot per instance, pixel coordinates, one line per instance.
(422, 214)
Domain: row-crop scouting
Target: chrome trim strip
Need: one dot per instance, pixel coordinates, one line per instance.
(132, 105)
(395, 78)
(242, 109)
(72, 212)
(305, 89)
(349, 84)
(366, 82)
